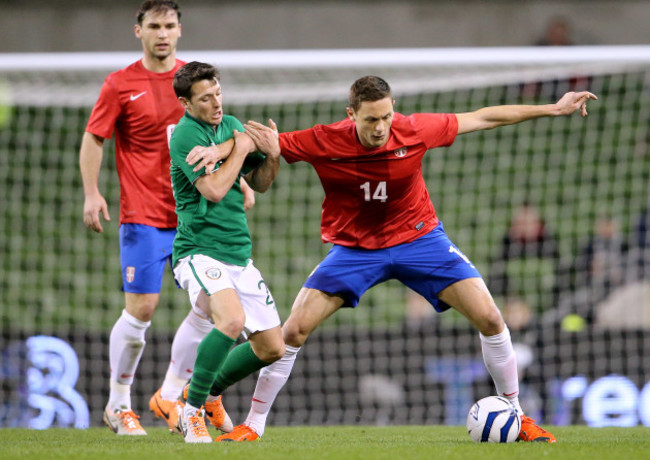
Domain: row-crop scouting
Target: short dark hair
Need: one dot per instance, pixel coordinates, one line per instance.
(156, 6)
(368, 89)
(189, 74)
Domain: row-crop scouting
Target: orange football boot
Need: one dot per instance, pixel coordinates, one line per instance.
(215, 413)
(167, 410)
(238, 434)
(530, 432)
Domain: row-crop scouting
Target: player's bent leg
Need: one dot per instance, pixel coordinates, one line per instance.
(228, 316)
(309, 310)
(263, 348)
(472, 298)
(165, 402)
(269, 383)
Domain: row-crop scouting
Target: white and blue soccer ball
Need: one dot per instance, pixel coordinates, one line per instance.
(493, 419)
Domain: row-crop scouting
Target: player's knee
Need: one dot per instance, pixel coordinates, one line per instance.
(142, 310)
(232, 327)
(272, 353)
(491, 323)
(293, 334)
(147, 314)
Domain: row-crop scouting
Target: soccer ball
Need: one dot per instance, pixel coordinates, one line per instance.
(493, 419)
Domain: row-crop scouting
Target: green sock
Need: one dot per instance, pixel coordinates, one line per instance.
(212, 351)
(240, 362)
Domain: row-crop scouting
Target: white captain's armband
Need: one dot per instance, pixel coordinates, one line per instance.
(170, 130)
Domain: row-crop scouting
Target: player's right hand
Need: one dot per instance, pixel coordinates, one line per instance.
(209, 156)
(572, 102)
(266, 138)
(93, 207)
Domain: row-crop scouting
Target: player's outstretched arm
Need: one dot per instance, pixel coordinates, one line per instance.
(90, 162)
(501, 115)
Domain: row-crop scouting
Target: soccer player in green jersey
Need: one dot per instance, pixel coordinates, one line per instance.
(212, 247)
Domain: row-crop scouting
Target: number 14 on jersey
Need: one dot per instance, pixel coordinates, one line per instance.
(379, 192)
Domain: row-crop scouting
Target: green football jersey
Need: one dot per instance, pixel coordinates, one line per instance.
(218, 230)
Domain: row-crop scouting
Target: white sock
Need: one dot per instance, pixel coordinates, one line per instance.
(126, 345)
(120, 397)
(501, 362)
(186, 341)
(271, 380)
(172, 386)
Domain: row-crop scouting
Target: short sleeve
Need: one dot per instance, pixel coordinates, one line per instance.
(297, 145)
(184, 139)
(105, 112)
(435, 129)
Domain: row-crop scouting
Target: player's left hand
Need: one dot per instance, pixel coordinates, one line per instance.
(207, 157)
(249, 194)
(572, 102)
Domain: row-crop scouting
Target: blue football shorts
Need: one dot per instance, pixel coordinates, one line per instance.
(427, 265)
(144, 251)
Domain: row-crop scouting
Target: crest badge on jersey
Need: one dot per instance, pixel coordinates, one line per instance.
(213, 273)
(400, 152)
(130, 274)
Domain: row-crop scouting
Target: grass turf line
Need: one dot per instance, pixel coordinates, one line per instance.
(337, 442)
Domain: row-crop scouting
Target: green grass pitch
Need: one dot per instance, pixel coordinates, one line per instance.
(340, 442)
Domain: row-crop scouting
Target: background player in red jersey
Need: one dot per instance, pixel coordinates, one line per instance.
(378, 214)
(138, 103)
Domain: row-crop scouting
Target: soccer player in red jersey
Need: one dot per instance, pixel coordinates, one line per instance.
(139, 105)
(379, 216)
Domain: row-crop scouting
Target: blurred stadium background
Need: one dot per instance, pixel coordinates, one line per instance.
(575, 290)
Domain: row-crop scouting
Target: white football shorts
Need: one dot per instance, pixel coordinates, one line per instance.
(198, 273)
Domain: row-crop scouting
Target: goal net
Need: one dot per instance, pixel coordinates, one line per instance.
(553, 212)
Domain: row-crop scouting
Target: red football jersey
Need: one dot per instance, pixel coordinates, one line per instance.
(374, 198)
(142, 108)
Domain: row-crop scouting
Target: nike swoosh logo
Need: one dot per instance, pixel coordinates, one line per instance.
(166, 414)
(259, 401)
(110, 425)
(135, 96)
(511, 394)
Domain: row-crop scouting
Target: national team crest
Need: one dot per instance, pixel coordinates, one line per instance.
(400, 152)
(213, 273)
(130, 274)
